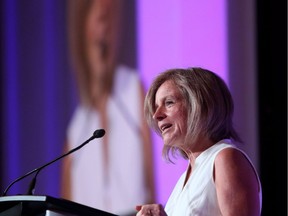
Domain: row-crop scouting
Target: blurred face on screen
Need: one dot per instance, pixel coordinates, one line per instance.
(102, 33)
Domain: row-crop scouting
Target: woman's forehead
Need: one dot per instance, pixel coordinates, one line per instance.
(166, 89)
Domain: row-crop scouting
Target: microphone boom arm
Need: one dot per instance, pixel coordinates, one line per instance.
(97, 134)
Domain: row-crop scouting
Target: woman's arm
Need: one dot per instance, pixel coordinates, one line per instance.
(236, 184)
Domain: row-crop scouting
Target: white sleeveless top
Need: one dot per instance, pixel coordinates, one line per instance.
(119, 188)
(203, 200)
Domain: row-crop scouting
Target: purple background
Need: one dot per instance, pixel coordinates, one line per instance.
(243, 41)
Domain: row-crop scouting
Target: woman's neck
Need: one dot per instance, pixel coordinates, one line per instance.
(201, 145)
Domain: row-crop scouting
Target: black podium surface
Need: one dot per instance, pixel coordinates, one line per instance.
(30, 205)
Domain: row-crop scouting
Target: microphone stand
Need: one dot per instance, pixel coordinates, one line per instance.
(97, 134)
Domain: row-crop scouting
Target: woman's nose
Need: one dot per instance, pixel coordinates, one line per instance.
(159, 114)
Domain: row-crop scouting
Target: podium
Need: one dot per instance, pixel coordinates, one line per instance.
(30, 205)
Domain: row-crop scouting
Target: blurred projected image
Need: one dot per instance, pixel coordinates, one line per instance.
(113, 173)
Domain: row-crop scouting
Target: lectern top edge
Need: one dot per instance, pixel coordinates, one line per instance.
(32, 203)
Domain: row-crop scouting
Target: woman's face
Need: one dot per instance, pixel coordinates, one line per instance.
(171, 114)
(101, 33)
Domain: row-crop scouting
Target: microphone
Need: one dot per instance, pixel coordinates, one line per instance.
(97, 134)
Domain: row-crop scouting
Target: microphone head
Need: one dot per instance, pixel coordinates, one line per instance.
(99, 133)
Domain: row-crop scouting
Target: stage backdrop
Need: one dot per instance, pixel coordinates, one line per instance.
(38, 90)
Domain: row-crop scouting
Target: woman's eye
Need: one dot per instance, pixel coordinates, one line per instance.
(167, 103)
